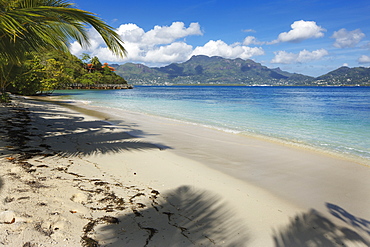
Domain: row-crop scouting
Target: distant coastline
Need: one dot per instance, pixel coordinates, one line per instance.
(204, 70)
(294, 114)
(98, 86)
(239, 85)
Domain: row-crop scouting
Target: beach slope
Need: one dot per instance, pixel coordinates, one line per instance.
(73, 179)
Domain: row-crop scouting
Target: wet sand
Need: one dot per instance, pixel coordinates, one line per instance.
(307, 177)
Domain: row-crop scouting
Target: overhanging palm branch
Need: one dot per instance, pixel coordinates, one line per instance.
(31, 25)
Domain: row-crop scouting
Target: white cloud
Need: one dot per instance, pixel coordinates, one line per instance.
(345, 39)
(175, 52)
(159, 34)
(159, 45)
(76, 49)
(364, 59)
(249, 30)
(220, 48)
(131, 33)
(163, 45)
(284, 57)
(303, 56)
(95, 42)
(301, 30)
(251, 40)
(306, 56)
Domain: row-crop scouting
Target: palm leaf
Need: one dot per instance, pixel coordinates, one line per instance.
(23, 21)
(31, 25)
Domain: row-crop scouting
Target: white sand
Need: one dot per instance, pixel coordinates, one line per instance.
(86, 182)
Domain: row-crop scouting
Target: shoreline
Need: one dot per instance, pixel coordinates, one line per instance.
(137, 183)
(213, 148)
(102, 113)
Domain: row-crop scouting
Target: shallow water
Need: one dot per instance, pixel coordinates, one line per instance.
(335, 119)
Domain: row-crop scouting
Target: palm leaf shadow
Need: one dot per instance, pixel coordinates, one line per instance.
(313, 229)
(185, 217)
(72, 136)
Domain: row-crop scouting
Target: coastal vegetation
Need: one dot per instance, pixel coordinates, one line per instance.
(41, 73)
(29, 27)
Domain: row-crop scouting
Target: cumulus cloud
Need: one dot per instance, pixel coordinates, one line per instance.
(163, 45)
(220, 48)
(251, 40)
(364, 59)
(303, 56)
(301, 30)
(284, 57)
(159, 34)
(345, 39)
(175, 52)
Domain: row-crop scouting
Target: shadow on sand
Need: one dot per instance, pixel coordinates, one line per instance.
(75, 136)
(182, 217)
(34, 129)
(313, 229)
(360, 224)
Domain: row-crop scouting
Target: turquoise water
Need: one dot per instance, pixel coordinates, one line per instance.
(330, 118)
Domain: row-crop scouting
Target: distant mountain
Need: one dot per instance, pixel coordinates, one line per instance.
(217, 70)
(139, 73)
(346, 76)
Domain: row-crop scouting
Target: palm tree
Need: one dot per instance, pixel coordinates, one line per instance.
(95, 64)
(32, 25)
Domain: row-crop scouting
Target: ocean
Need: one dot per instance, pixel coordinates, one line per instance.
(331, 119)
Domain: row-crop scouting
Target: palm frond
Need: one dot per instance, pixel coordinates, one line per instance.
(32, 25)
(22, 21)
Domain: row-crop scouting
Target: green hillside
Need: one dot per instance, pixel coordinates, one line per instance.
(346, 76)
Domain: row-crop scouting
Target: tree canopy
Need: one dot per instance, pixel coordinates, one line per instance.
(33, 25)
(49, 70)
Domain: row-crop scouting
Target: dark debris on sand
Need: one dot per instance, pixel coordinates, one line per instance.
(24, 143)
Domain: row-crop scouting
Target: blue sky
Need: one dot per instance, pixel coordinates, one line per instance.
(307, 37)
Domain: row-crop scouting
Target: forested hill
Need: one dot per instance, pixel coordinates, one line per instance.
(217, 70)
(347, 76)
(210, 70)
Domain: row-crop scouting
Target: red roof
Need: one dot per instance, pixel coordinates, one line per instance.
(90, 66)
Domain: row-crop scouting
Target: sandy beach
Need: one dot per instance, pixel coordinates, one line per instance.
(84, 176)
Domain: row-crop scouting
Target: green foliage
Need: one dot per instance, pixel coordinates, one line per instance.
(91, 78)
(34, 25)
(106, 70)
(55, 76)
(95, 63)
(45, 72)
(72, 65)
(85, 57)
(4, 97)
(104, 76)
(38, 74)
(27, 77)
